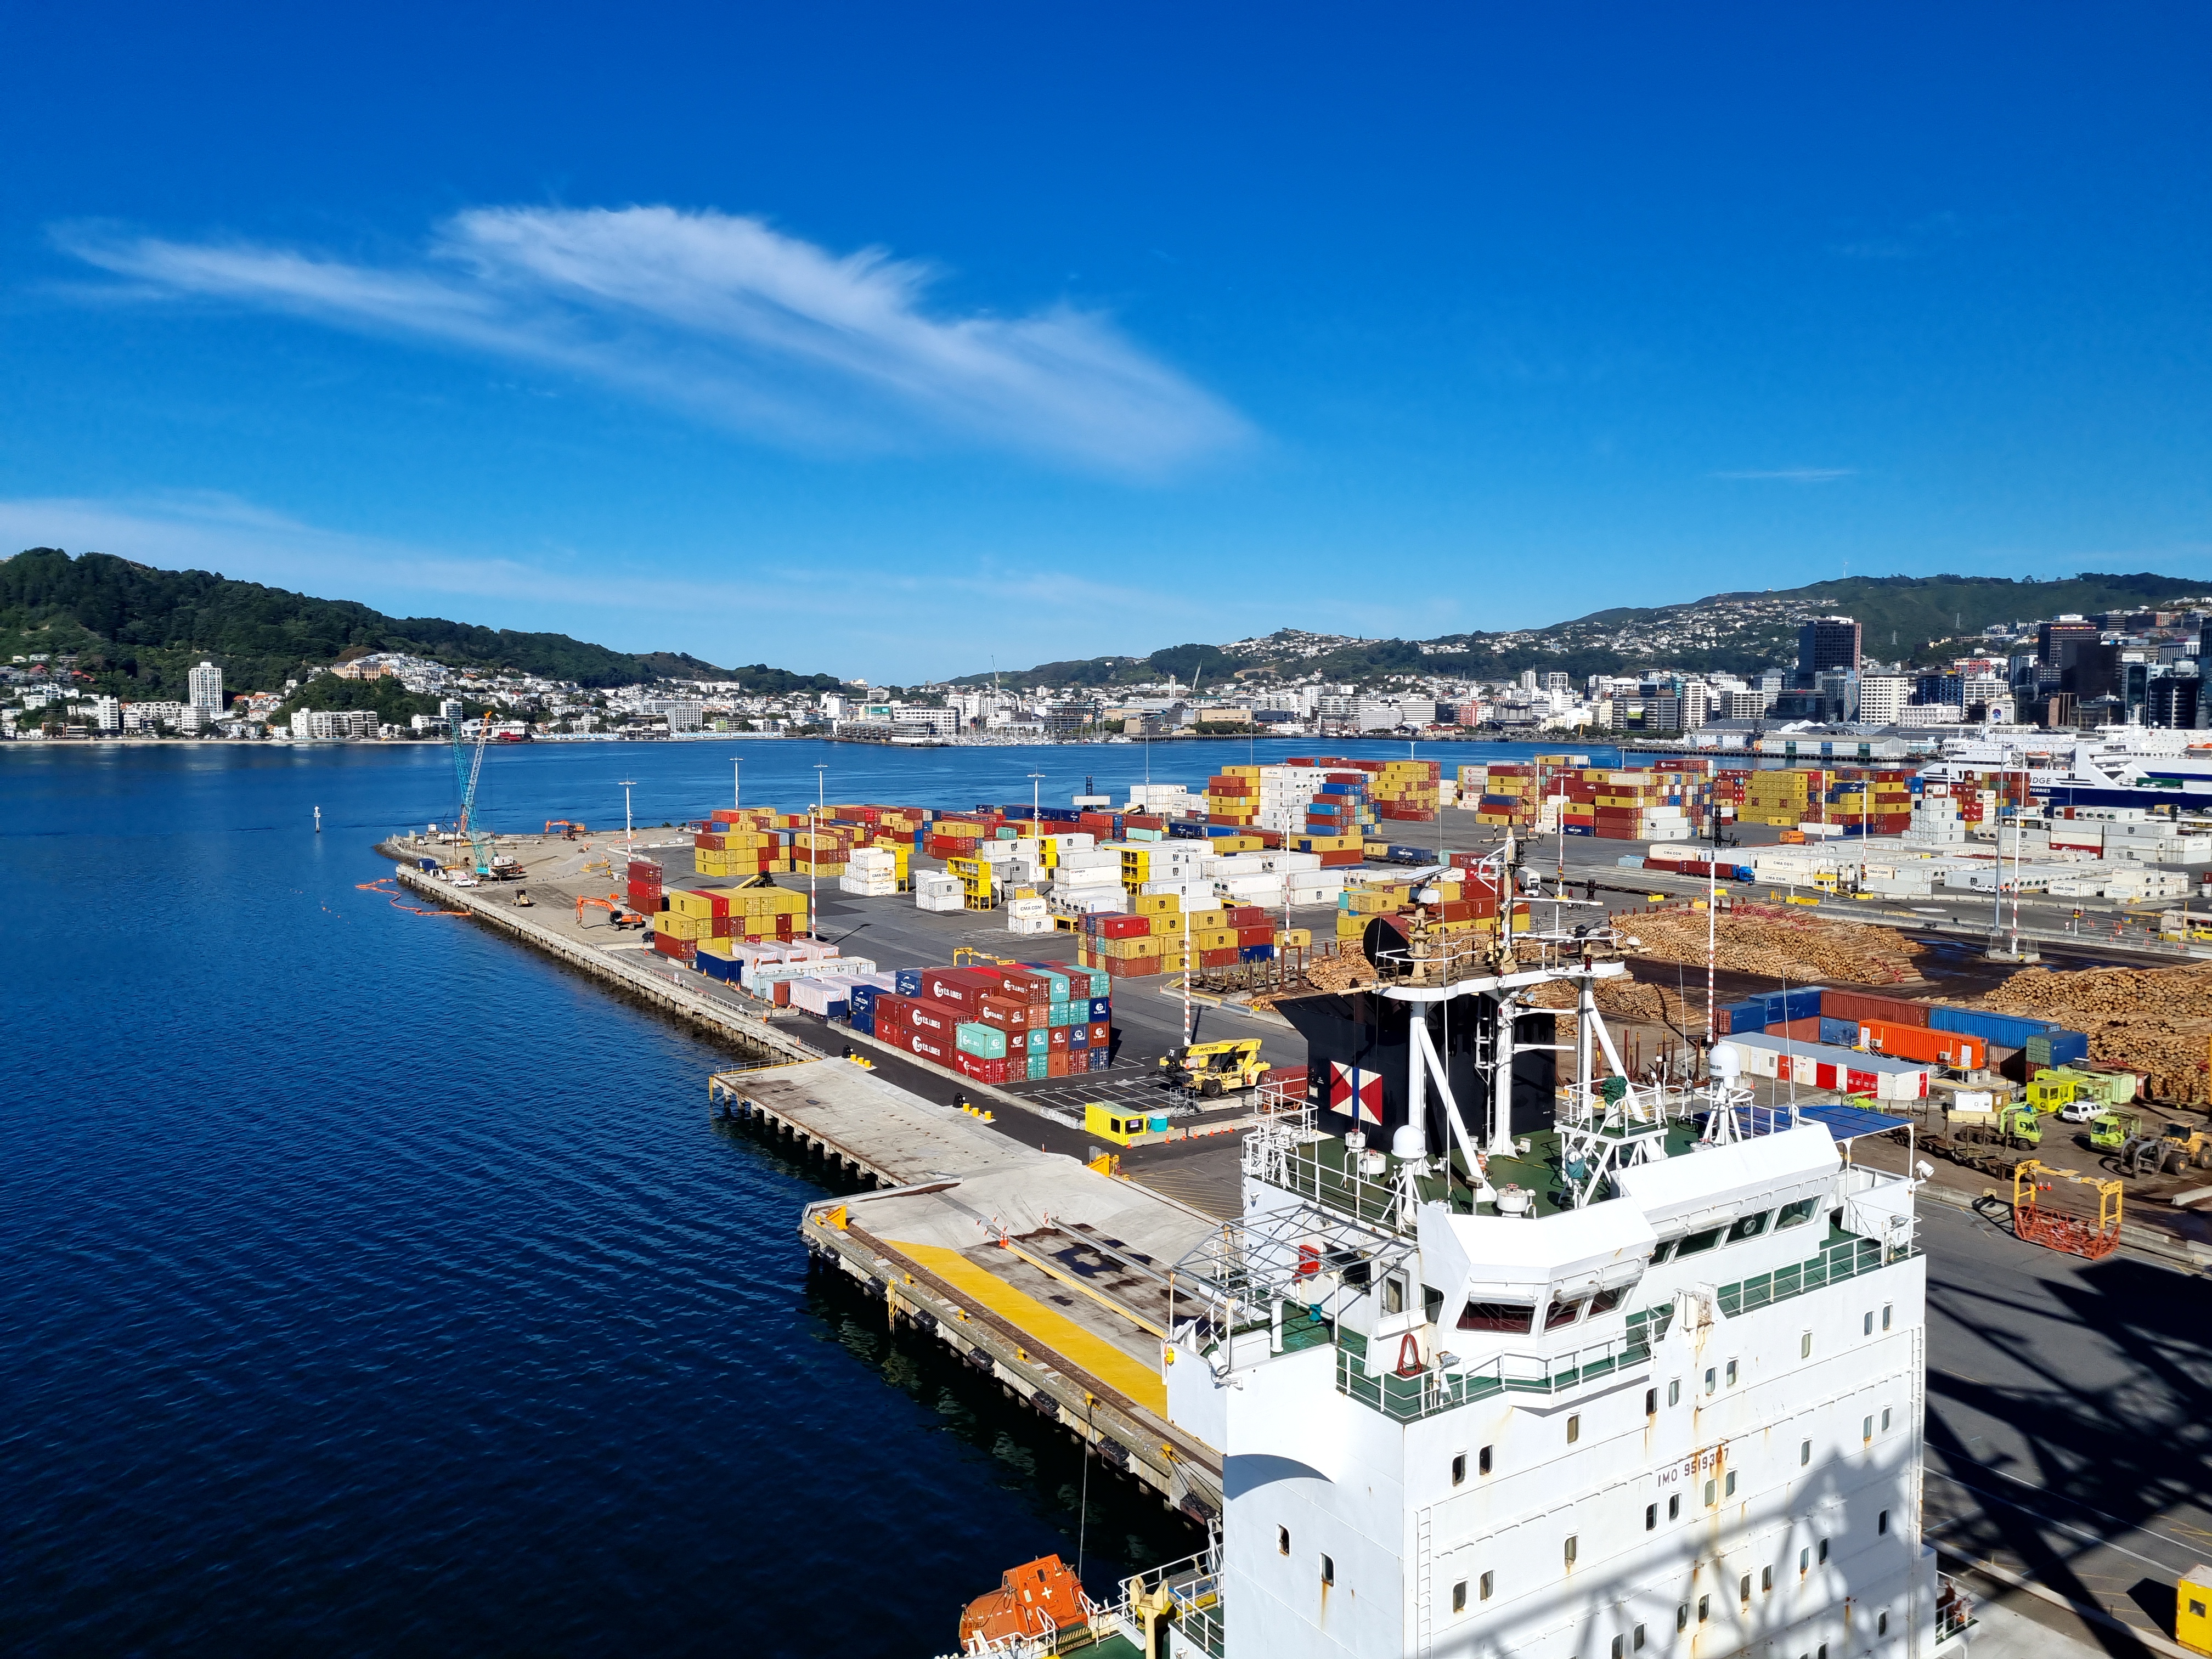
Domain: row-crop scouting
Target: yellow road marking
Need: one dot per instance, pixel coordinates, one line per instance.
(1052, 1329)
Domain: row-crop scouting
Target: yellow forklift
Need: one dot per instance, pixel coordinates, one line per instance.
(1214, 1069)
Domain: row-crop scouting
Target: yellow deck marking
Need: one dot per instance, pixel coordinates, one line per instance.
(1052, 1329)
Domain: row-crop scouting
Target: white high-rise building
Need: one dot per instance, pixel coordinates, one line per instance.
(107, 713)
(204, 687)
(1881, 697)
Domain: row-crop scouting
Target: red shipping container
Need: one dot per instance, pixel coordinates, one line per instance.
(1247, 915)
(1122, 926)
(1102, 1033)
(1055, 1039)
(645, 870)
(1861, 1006)
(1224, 957)
(1805, 1030)
(1263, 934)
(682, 949)
(1058, 1064)
(1023, 986)
(959, 987)
(927, 1045)
(1004, 1013)
(934, 1017)
(1131, 967)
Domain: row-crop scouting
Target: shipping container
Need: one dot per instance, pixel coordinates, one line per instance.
(1859, 1006)
(2056, 1048)
(1958, 1049)
(1998, 1030)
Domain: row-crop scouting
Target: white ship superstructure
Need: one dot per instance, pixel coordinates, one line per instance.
(1646, 1381)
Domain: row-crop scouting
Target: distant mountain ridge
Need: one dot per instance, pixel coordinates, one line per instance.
(1902, 618)
(144, 628)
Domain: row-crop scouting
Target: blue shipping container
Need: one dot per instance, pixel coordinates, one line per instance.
(1101, 1058)
(1745, 1016)
(1840, 1033)
(1102, 1008)
(863, 999)
(864, 1024)
(910, 981)
(1255, 953)
(2001, 1030)
(2067, 1047)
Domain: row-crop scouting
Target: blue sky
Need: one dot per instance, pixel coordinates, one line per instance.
(886, 341)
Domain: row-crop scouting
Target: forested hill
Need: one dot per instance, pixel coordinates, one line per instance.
(132, 623)
(1908, 619)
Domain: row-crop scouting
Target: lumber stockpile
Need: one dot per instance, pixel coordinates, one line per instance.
(1625, 998)
(1348, 969)
(1777, 943)
(2154, 1021)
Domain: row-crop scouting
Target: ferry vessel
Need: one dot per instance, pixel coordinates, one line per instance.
(1519, 1356)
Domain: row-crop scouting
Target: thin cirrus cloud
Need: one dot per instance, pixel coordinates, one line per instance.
(1797, 475)
(732, 320)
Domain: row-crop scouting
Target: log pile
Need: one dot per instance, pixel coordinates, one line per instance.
(1625, 998)
(1778, 944)
(2154, 1021)
(1347, 970)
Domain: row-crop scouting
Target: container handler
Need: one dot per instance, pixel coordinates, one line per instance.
(1213, 1069)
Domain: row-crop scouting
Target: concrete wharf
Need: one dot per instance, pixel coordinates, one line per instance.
(1053, 1277)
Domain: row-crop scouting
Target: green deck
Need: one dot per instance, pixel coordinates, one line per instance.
(1322, 1169)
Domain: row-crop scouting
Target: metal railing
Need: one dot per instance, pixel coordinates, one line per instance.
(1847, 1259)
(1430, 1391)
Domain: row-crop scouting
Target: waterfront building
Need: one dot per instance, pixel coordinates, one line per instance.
(203, 688)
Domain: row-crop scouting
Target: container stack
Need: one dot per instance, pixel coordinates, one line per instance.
(820, 853)
(1232, 795)
(1149, 941)
(1004, 1024)
(1027, 915)
(1086, 880)
(1165, 867)
(1469, 906)
(937, 890)
(870, 872)
(1407, 791)
(739, 842)
(645, 886)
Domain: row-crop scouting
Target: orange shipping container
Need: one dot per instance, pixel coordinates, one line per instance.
(1953, 1048)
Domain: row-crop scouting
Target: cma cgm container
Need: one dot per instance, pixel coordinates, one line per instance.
(1819, 1067)
(1998, 1030)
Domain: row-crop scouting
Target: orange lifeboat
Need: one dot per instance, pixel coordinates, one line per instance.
(1040, 1598)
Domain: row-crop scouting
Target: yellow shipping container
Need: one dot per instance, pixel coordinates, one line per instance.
(1156, 904)
(1215, 938)
(1294, 939)
(1168, 924)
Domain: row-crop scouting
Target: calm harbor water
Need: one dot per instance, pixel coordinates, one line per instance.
(372, 1286)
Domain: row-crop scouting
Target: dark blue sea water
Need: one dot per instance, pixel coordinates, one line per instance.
(371, 1285)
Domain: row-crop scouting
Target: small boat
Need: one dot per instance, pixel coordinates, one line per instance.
(1035, 1603)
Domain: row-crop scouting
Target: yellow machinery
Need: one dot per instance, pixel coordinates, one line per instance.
(1214, 1069)
(1124, 1126)
(2075, 1235)
(2192, 1610)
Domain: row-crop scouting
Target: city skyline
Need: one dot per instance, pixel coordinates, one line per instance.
(929, 346)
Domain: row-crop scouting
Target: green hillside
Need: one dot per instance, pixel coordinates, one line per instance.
(138, 630)
(1913, 619)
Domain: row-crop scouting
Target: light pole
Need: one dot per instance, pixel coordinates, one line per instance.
(1036, 801)
(737, 788)
(814, 847)
(629, 836)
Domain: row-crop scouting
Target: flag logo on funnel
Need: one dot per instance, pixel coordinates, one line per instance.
(1348, 1083)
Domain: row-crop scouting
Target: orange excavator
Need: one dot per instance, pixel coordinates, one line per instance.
(617, 913)
(568, 831)
(1038, 1600)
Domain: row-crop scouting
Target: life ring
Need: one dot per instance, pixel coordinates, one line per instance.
(1409, 1355)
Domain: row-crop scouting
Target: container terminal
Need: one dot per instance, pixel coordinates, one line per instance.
(1370, 1244)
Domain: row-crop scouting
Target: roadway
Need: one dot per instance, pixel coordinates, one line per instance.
(2069, 1419)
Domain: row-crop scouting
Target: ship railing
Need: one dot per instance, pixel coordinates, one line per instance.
(1954, 1609)
(1843, 1260)
(1449, 1383)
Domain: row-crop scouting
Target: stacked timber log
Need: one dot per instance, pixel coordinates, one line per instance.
(1777, 943)
(2154, 1021)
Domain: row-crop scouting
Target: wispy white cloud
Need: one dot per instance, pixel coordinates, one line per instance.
(1797, 475)
(732, 320)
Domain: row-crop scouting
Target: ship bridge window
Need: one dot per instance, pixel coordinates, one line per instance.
(1606, 1301)
(1697, 1242)
(1394, 1295)
(1665, 1249)
(1796, 1214)
(1514, 1316)
(1562, 1313)
(1749, 1226)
